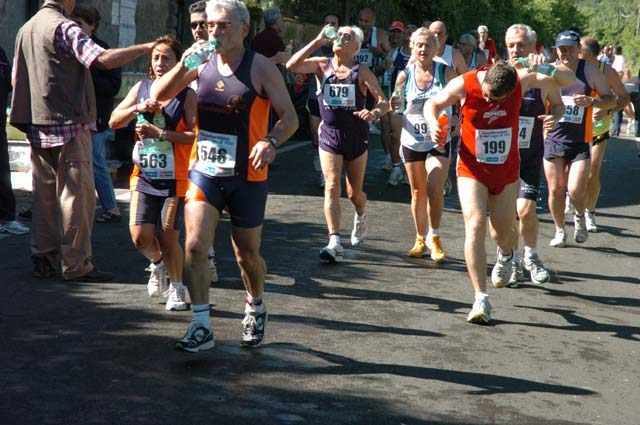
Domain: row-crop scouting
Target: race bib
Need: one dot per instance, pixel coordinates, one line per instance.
(525, 129)
(573, 113)
(492, 146)
(339, 95)
(216, 154)
(365, 57)
(417, 127)
(155, 159)
(386, 78)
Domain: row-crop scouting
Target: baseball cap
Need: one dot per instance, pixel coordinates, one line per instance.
(396, 25)
(567, 38)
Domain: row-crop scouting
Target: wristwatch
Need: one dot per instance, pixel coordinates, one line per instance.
(163, 135)
(376, 113)
(271, 140)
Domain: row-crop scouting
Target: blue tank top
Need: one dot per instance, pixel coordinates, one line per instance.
(575, 126)
(339, 99)
(530, 134)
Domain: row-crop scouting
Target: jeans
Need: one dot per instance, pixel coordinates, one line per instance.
(101, 174)
(616, 122)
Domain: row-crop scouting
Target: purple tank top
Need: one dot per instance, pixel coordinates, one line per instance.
(339, 99)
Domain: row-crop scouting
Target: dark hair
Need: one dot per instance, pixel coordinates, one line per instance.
(89, 14)
(617, 50)
(331, 14)
(501, 78)
(170, 41)
(198, 7)
(591, 44)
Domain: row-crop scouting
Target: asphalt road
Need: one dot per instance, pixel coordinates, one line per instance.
(378, 339)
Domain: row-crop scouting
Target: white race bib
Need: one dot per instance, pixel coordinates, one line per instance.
(386, 77)
(154, 157)
(417, 127)
(525, 129)
(492, 146)
(339, 95)
(365, 57)
(572, 113)
(216, 153)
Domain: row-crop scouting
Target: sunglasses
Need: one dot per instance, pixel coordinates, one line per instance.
(345, 35)
(197, 25)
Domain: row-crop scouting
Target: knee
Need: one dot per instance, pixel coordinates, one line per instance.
(249, 261)
(195, 248)
(527, 214)
(141, 241)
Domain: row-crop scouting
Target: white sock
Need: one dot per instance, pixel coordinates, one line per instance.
(176, 285)
(504, 257)
(201, 314)
(530, 251)
(433, 232)
(516, 256)
(418, 235)
(254, 305)
(481, 296)
(334, 240)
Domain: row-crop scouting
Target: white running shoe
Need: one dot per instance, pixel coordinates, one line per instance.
(396, 176)
(176, 300)
(359, 232)
(559, 240)
(197, 338)
(387, 164)
(13, 227)
(332, 254)
(157, 280)
(590, 218)
(480, 312)
(568, 206)
(501, 273)
(517, 275)
(213, 265)
(580, 233)
(539, 274)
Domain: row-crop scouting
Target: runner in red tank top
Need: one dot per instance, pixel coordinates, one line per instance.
(488, 164)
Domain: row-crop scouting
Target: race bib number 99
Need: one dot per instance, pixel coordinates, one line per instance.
(339, 95)
(216, 154)
(416, 126)
(573, 113)
(492, 146)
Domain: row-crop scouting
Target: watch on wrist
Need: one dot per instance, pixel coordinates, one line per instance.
(271, 140)
(376, 113)
(163, 135)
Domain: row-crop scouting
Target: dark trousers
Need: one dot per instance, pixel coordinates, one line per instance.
(7, 199)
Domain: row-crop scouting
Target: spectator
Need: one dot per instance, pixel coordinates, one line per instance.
(487, 44)
(269, 42)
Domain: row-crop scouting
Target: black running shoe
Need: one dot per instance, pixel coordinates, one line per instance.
(197, 338)
(254, 324)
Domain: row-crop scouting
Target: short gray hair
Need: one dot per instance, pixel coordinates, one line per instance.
(424, 32)
(270, 17)
(530, 34)
(236, 7)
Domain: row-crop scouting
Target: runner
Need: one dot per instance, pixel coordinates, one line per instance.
(521, 43)
(467, 44)
(236, 88)
(488, 164)
(343, 134)
(427, 164)
(589, 48)
(159, 178)
(567, 146)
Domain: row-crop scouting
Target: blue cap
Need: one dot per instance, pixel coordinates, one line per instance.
(567, 38)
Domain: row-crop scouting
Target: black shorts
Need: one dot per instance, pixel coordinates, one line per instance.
(599, 139)
(409, 155)
(246, 201)
(166, 212)
(530, 174)
(350, 143)
(570, 152)
(313, 107)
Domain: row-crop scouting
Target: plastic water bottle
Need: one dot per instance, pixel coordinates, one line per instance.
(330, 32)
(598, 125)
(545, 68)
(399, 109)
(443, 123)
(289, 48)
(195, 60)
(141, 120)
(159, 120)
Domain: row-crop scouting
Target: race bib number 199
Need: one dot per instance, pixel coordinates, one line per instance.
(216, 154)
(492, 146)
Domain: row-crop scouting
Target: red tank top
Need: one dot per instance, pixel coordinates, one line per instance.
(489, 148)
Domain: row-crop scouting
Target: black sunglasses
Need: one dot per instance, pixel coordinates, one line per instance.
(195, 25)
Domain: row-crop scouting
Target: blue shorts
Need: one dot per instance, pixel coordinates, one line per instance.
(166, 212)
(349, 143)
(246, 201)
(568, 151)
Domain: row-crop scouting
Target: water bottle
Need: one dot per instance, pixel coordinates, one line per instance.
(141, 120)
(443, 123)
(159, 120)
(545, 68)
(289, 48)
(195, 60)
(399, 109)
(330, 32)
(598, 125)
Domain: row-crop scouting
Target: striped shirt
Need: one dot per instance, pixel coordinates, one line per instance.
(72, 42)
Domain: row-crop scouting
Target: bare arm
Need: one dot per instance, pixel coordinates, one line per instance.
(185, 137)
(174, 81)
(383, 44)
(613, 78)
(397, 97)
(280, 58)
(126, 110)
(116, 58)
(300, 61)
(452, 94)
(556, 108)
(598, 82)
(459, 63)
(381, 107)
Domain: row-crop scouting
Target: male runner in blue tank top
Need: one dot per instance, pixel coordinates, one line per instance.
(236, 87)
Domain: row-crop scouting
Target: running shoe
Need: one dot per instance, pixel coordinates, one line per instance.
(13, 227)
(517, 274)
(359, 232)
(387, 164)
(332, 254)
(157, 279)
(539, 274)
(213, 266)
(435, 246)
(590, 218)
(480, 312)
(419, 248)
(501, 273)
(396, 176)
(568, 206)
(559, 240)
(253, 323)
(580, 234)
(175, 298)
(197, 338)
